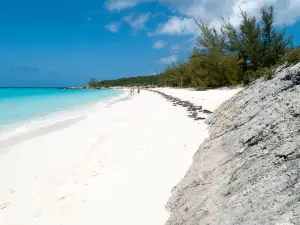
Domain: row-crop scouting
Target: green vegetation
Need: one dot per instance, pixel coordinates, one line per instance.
(131, 81)
(292, 56)
(232, 56)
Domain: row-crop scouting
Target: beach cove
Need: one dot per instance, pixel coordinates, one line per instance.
(115, 165)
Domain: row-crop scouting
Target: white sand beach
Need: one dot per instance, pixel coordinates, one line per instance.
(114, 165)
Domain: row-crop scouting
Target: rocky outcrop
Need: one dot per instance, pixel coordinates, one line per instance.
(248, 170)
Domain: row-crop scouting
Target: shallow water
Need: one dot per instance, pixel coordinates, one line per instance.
(22, 105)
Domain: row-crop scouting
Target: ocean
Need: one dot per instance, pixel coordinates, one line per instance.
(23, 105)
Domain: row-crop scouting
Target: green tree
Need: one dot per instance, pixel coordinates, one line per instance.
(245, 42)
(210, 39)
(92, 83)
(217, 67)
(275, 44)
(258, 44)
(229, 57)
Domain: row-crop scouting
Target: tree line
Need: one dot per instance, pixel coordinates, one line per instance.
(127, 82)
(231, 56)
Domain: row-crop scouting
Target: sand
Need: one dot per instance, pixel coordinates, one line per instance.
(111, 165)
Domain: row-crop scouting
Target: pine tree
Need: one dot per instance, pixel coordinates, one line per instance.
(275, 44)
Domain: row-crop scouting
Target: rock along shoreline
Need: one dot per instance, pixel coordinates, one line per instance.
(248, 171)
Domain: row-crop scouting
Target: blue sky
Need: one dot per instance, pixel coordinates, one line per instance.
(64, 43)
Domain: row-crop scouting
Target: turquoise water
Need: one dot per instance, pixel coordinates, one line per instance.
(25, 104)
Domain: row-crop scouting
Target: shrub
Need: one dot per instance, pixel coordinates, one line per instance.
(252, 75)
(292, 56)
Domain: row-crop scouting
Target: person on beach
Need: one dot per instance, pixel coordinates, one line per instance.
(131, 91)
(138, 91)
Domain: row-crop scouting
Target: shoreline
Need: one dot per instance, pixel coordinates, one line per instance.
(52, 118)
(122, 160)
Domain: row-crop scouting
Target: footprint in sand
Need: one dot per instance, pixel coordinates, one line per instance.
(95, 174)
(61, 198)
(4, 205)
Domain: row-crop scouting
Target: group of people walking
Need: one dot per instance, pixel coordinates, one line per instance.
(132, 90)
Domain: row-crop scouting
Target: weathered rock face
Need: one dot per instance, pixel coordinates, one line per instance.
(248, 170)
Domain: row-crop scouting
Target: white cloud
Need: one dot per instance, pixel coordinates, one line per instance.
(137, 22)
(169, 59)
(159, 44)
(290, 13)
(209, 11)
(176, 26)
(287, 11)
(118, 5)
(113, 27)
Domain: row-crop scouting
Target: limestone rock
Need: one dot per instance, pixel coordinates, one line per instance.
(248, 170)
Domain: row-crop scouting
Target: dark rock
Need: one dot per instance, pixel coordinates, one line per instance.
(192, 109)
(206, 111)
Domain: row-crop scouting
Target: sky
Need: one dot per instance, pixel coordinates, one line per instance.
(65, 43)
